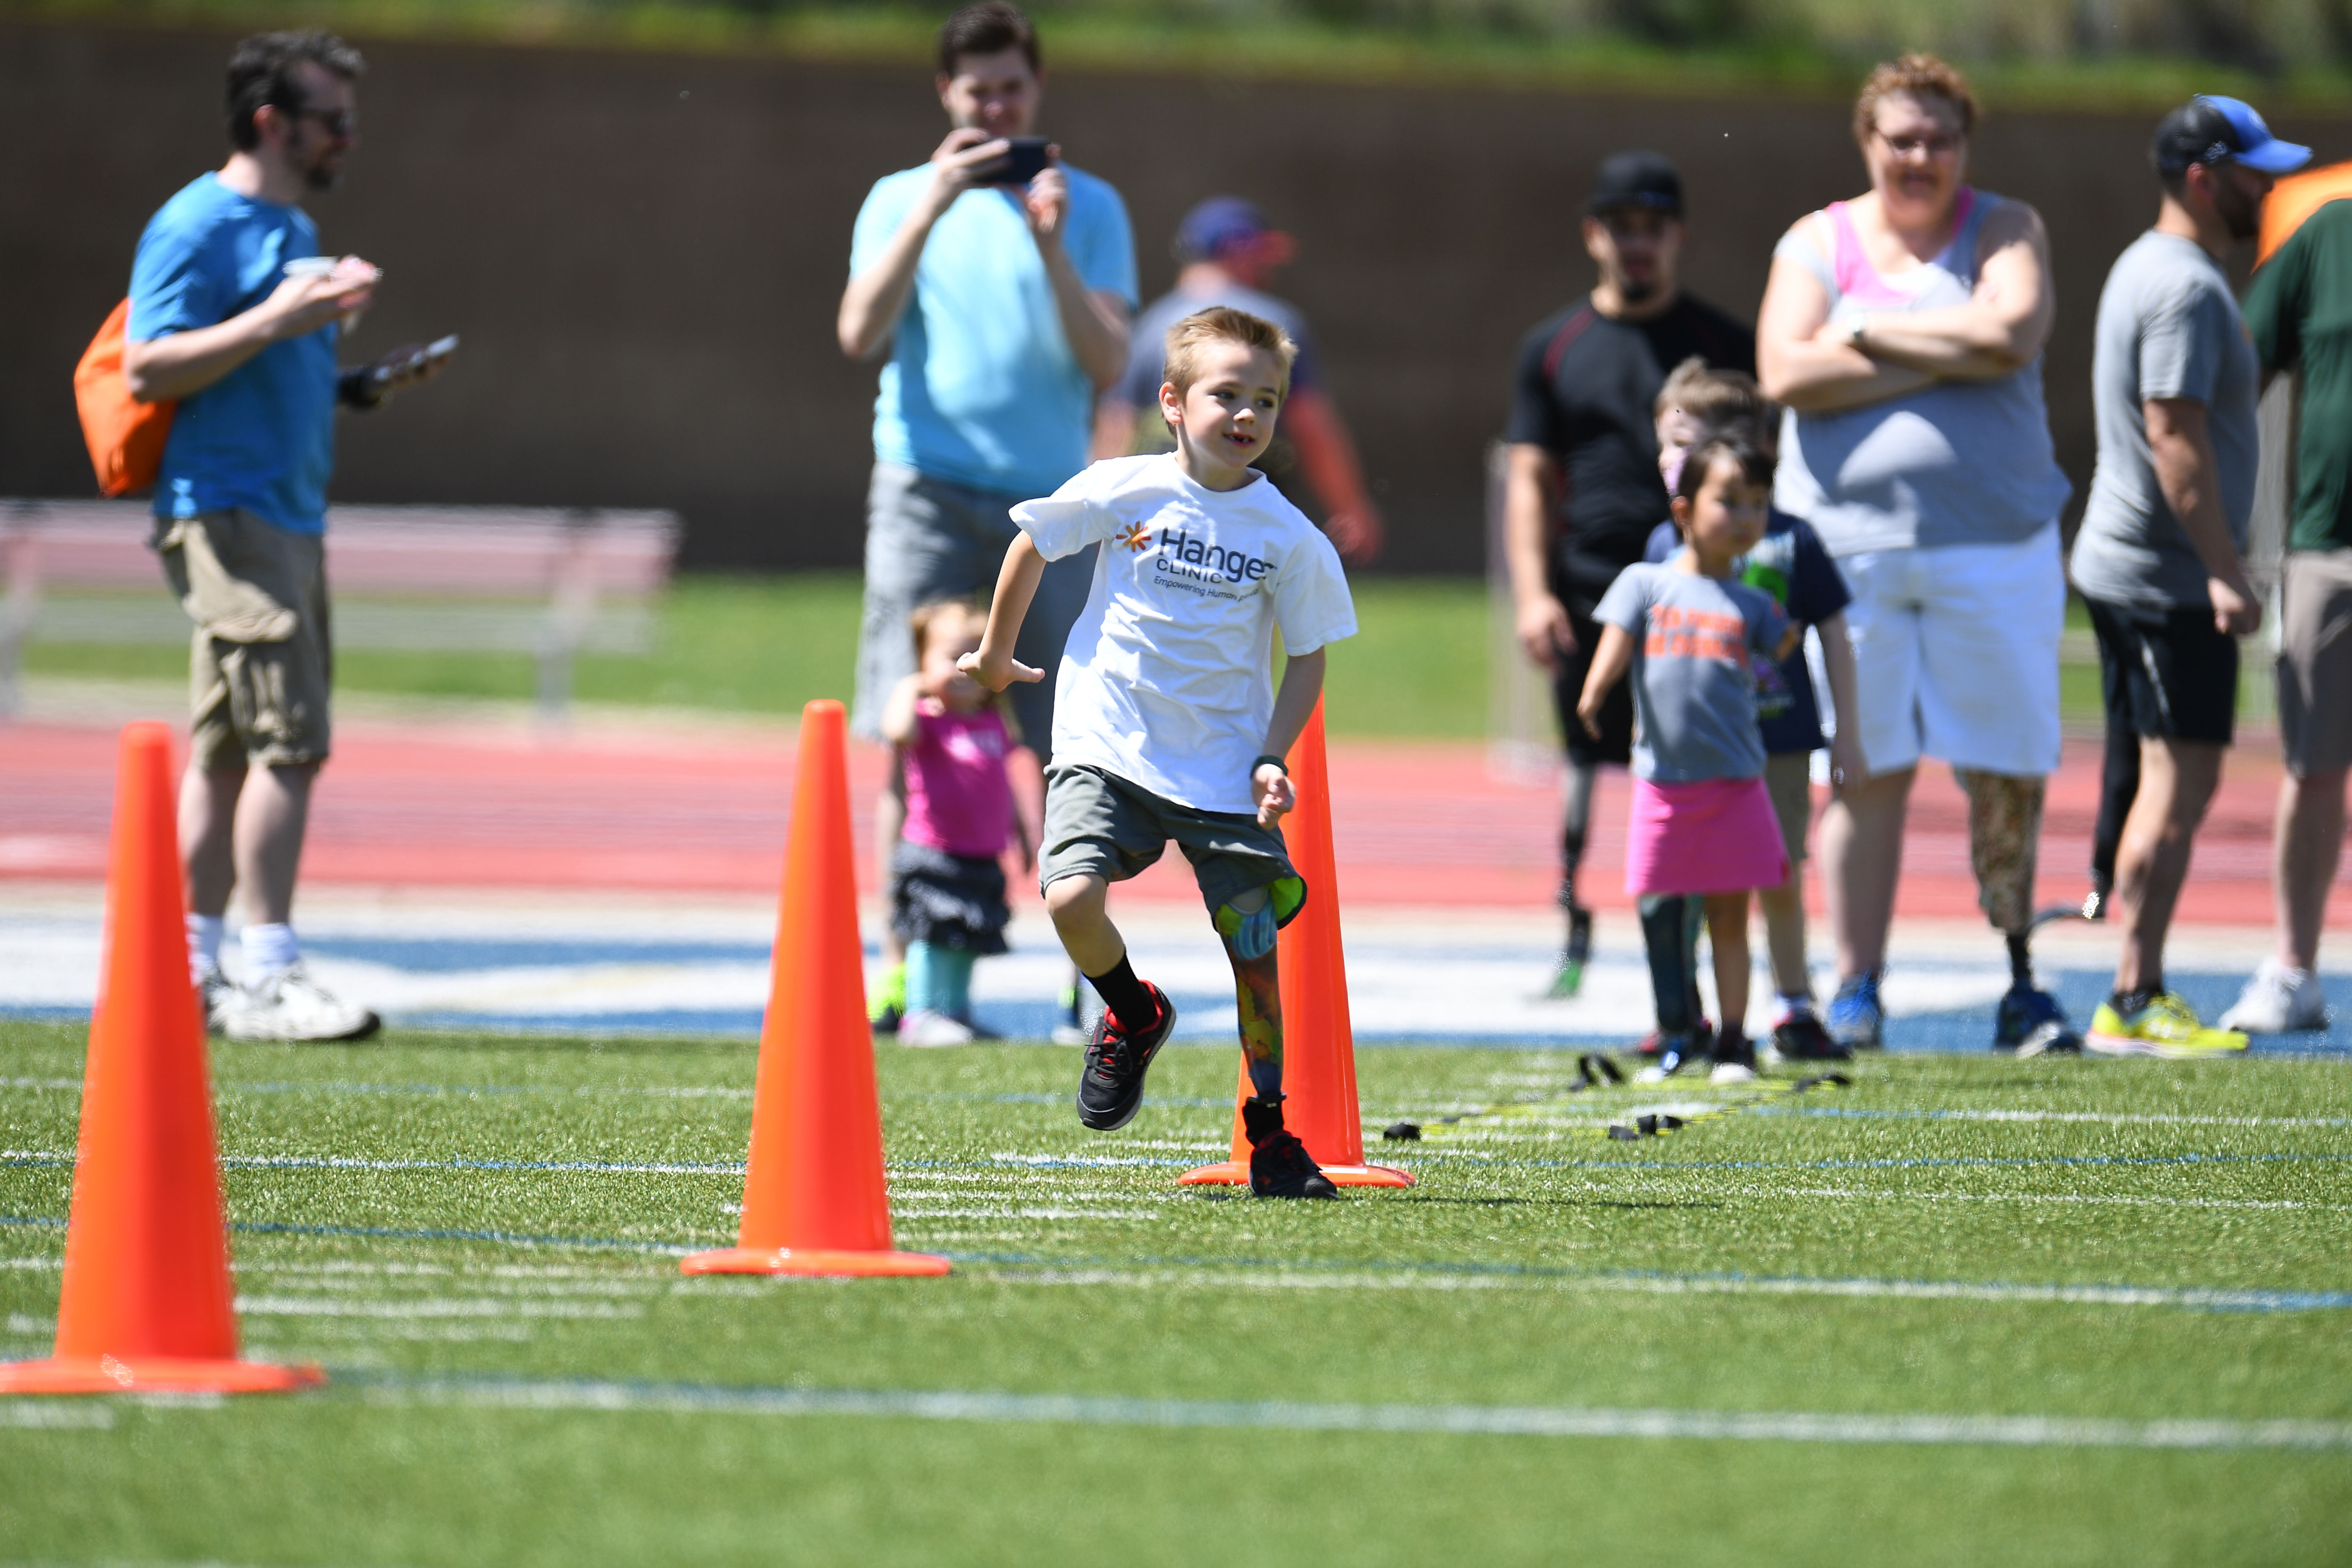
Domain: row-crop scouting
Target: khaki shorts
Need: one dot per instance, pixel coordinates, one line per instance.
(261, 660)
(2314, 662)
(1789, 779)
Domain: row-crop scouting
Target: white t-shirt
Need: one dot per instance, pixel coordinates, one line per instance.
(1168, 677)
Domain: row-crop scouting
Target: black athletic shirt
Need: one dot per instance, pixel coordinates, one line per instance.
(1583, 393)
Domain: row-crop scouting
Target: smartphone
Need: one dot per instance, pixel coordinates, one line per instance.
(439, 347)
(1023, 160)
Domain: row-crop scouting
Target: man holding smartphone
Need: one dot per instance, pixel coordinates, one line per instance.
(1002, 309)
(235, 318)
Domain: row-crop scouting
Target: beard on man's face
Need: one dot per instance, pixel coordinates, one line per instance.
(2242, 214)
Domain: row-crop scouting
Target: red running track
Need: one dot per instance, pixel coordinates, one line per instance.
(703, 811)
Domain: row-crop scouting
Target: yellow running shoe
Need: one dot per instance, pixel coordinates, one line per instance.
(2167, 1026)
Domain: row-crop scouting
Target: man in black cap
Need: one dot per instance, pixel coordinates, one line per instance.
(1583, 493)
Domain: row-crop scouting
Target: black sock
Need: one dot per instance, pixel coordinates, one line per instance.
(1127, 997)
(2021, 962)
(2127, 1003)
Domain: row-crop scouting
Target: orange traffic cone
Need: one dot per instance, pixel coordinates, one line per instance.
(1318, 1054)
(813, 1200)
(147, 1305)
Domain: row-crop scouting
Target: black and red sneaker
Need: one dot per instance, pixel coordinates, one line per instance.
(1110, 1088)
(1691, 1047)
(1280, 1166)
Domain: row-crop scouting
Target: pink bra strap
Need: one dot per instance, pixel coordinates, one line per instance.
(1851, 265)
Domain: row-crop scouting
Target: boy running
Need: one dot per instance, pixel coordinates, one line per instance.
(1167, 724)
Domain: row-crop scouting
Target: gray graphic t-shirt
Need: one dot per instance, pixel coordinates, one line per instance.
(1694, 686)
(2168, 327)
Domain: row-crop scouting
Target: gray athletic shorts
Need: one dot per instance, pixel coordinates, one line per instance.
(2314, 662)
(1100, 824)
(930, 539)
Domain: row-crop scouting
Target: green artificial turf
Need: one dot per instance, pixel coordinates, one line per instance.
(1799, 1255)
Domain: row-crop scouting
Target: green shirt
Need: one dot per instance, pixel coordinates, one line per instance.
(2300, 312)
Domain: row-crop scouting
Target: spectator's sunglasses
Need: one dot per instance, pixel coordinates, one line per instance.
(1934, 145)
(339, 123)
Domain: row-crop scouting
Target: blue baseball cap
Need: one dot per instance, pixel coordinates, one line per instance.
(2209, 129)
(1219, 224)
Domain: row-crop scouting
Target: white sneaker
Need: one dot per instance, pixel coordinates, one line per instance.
(216, 994)
(928, 1029)
(291, 1006)
(2278, 999)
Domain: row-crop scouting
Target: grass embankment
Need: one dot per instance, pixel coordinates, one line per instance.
(1881, 1251)
(2143, 54)
(1418, 669)
(767, 645)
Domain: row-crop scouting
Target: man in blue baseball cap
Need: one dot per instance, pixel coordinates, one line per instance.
(2159, 558)
(1228, 254)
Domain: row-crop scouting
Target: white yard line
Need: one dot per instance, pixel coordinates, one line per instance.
(1486, 1420)
(430, 1306)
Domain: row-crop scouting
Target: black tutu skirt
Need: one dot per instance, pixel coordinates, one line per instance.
(950, 900)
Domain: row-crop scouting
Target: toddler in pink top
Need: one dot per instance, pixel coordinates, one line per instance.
(947, 876)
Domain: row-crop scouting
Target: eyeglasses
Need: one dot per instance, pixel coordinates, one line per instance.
(1934, 145)
(339, 123)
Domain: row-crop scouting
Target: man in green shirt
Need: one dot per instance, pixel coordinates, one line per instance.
(2299, 310)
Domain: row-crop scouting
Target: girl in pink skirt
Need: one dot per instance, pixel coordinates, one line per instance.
(1702, 819)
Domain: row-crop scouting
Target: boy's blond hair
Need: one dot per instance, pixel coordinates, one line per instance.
(1224, 324)
(1716, 396)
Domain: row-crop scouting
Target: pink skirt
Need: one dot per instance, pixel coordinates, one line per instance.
(1712, 835)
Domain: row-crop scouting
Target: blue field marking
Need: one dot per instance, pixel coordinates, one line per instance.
(2057, 1118)
(1475, 1161)
(517, 1393)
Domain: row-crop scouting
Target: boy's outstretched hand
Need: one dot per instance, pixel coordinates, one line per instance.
(1270, 787)
(996, 675)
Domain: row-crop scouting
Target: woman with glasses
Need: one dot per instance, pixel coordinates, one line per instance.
(1904, 331)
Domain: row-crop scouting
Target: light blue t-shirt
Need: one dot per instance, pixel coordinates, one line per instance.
(981, 388)
(263, 437)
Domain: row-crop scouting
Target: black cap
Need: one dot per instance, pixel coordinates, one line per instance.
(1644, 180)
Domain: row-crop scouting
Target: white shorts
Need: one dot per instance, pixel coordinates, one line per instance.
(1956, 648)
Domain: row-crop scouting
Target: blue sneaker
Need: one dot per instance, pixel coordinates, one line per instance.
(1857, 1021)
(2031, 1023)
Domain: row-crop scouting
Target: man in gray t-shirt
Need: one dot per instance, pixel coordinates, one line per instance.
(2174, 383)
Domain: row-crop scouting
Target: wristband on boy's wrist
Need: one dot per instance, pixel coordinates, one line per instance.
(1277, 761)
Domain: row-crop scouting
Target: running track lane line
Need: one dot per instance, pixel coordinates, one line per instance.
(1477, 1420)
(1222, 1273)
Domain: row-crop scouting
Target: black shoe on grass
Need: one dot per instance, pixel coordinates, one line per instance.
(1803, 1039)
(1280, 1166)
(1111, 1086)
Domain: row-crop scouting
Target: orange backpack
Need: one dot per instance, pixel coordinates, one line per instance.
(125, 436)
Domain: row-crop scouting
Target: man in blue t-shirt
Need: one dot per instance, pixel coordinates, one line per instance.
(235, 317)
(1002, 310)
(1229, 256)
